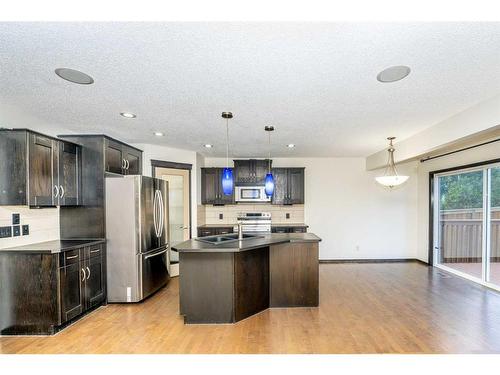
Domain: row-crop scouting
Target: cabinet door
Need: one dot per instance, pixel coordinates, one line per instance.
(280, 194)
(209, 185)
(94, 281)
(133, 160)
(71, 283)
(243, 172)
(261, 167)
(42, 164)
(69, 174)
(295, 185)
(114, 158)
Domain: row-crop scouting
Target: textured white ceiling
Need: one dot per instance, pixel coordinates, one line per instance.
(315, 82)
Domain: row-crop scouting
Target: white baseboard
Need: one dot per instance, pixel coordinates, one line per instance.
(174, 270)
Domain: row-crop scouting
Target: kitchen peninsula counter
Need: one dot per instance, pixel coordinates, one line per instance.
(228, 282)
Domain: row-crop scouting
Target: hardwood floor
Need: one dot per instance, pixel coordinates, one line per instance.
(364, 308)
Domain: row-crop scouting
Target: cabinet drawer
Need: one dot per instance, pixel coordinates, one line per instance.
(298, 230)
(93, 251)
(70, 257)
(205, 232)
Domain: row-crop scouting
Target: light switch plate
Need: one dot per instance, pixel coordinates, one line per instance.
(16, 219)
(5, 232)
(26, 230)
(16, 230)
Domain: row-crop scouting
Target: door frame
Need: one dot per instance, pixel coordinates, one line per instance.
(486, 206)
(175, 165)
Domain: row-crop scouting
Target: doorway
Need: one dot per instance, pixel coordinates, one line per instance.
(466, 223)
(178, 176)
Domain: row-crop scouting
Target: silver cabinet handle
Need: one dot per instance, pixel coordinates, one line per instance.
(94, 251)
(155, 254)
(83, 272)
(56, 191)
(62, 192)
(128, 164)
(72, 257)
(88, 270)
(123, 163)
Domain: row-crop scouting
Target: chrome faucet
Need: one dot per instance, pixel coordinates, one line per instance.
(240, 231)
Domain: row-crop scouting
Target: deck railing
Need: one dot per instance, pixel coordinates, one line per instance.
(462, 233)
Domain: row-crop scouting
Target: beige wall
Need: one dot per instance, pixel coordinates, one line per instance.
(355, 217)
(43, 224)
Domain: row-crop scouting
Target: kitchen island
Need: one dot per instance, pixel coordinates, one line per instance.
(227, 281)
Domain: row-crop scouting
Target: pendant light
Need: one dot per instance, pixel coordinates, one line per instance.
(391, 178)
(227, 173)
(269, 182)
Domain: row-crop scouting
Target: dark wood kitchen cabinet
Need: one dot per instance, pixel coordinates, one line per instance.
(212, 231)
(211, 187)
(250, 172)
(288, 186)
(43, 291)
(39, 170)
(122, 158)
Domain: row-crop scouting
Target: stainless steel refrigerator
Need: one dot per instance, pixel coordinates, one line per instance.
(137, 237)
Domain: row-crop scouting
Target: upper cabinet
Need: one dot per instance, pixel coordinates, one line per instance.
(211, 187)
(288, 186)
(250, 172)
(121, 158)
(39, 170)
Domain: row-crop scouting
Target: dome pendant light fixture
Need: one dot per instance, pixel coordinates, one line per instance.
(227, 173)
(391, 178)
(269, 182)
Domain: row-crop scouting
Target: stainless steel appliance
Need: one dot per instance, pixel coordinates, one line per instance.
(250, 194)
(254, 222)
(137, 237)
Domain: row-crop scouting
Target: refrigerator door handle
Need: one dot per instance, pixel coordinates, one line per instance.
(155, 213)
(162, 214)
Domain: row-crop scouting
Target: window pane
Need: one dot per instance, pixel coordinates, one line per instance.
(495, 227)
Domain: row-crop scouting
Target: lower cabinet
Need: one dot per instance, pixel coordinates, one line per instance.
(82, 282)
(212, 231)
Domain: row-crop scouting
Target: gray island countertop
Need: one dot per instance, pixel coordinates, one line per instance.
(263, 240)
(53, 247)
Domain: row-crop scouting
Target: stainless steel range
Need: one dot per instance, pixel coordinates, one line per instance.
(255, 222)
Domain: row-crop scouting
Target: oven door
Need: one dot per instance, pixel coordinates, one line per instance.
(251, 194)
(154, 270)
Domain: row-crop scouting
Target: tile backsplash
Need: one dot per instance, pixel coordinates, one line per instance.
(43, 224)
(211, 214)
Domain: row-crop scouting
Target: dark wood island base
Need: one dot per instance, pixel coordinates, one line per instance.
(223, 285)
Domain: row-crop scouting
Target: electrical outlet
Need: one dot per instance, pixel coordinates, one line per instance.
(16, 230)
(287, 215)
(16, 219)
(5, 232)
(221, 216)
(26, 230)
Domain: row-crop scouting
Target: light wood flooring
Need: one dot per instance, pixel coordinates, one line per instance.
(364, 308)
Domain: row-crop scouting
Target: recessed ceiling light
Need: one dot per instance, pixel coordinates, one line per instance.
(159, 134)
(393, 73)
(74, 76)
(290, 145)
(128, 115)
(208, 145)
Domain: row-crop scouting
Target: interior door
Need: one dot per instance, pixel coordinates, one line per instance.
(178, 204)
(149, 212)
(42, 171)
(69, 174)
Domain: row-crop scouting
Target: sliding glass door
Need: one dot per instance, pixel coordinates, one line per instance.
(467, 223)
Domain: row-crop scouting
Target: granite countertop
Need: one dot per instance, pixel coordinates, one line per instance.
(301, 225)
(54, 247)
(263, 240)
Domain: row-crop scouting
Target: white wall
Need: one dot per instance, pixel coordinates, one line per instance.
(355, 217)
(475, 155)
(154, 152)
(471, 123)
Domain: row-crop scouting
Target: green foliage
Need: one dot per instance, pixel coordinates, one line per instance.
(465, 190)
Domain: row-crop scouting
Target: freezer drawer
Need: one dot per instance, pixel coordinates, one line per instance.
(154, 271)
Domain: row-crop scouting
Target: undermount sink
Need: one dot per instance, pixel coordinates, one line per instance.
(224, 238)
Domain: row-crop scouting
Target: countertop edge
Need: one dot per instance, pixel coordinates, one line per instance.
(32, 248)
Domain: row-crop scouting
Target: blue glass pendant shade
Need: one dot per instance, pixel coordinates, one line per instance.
(227, 181)
(269, 184)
